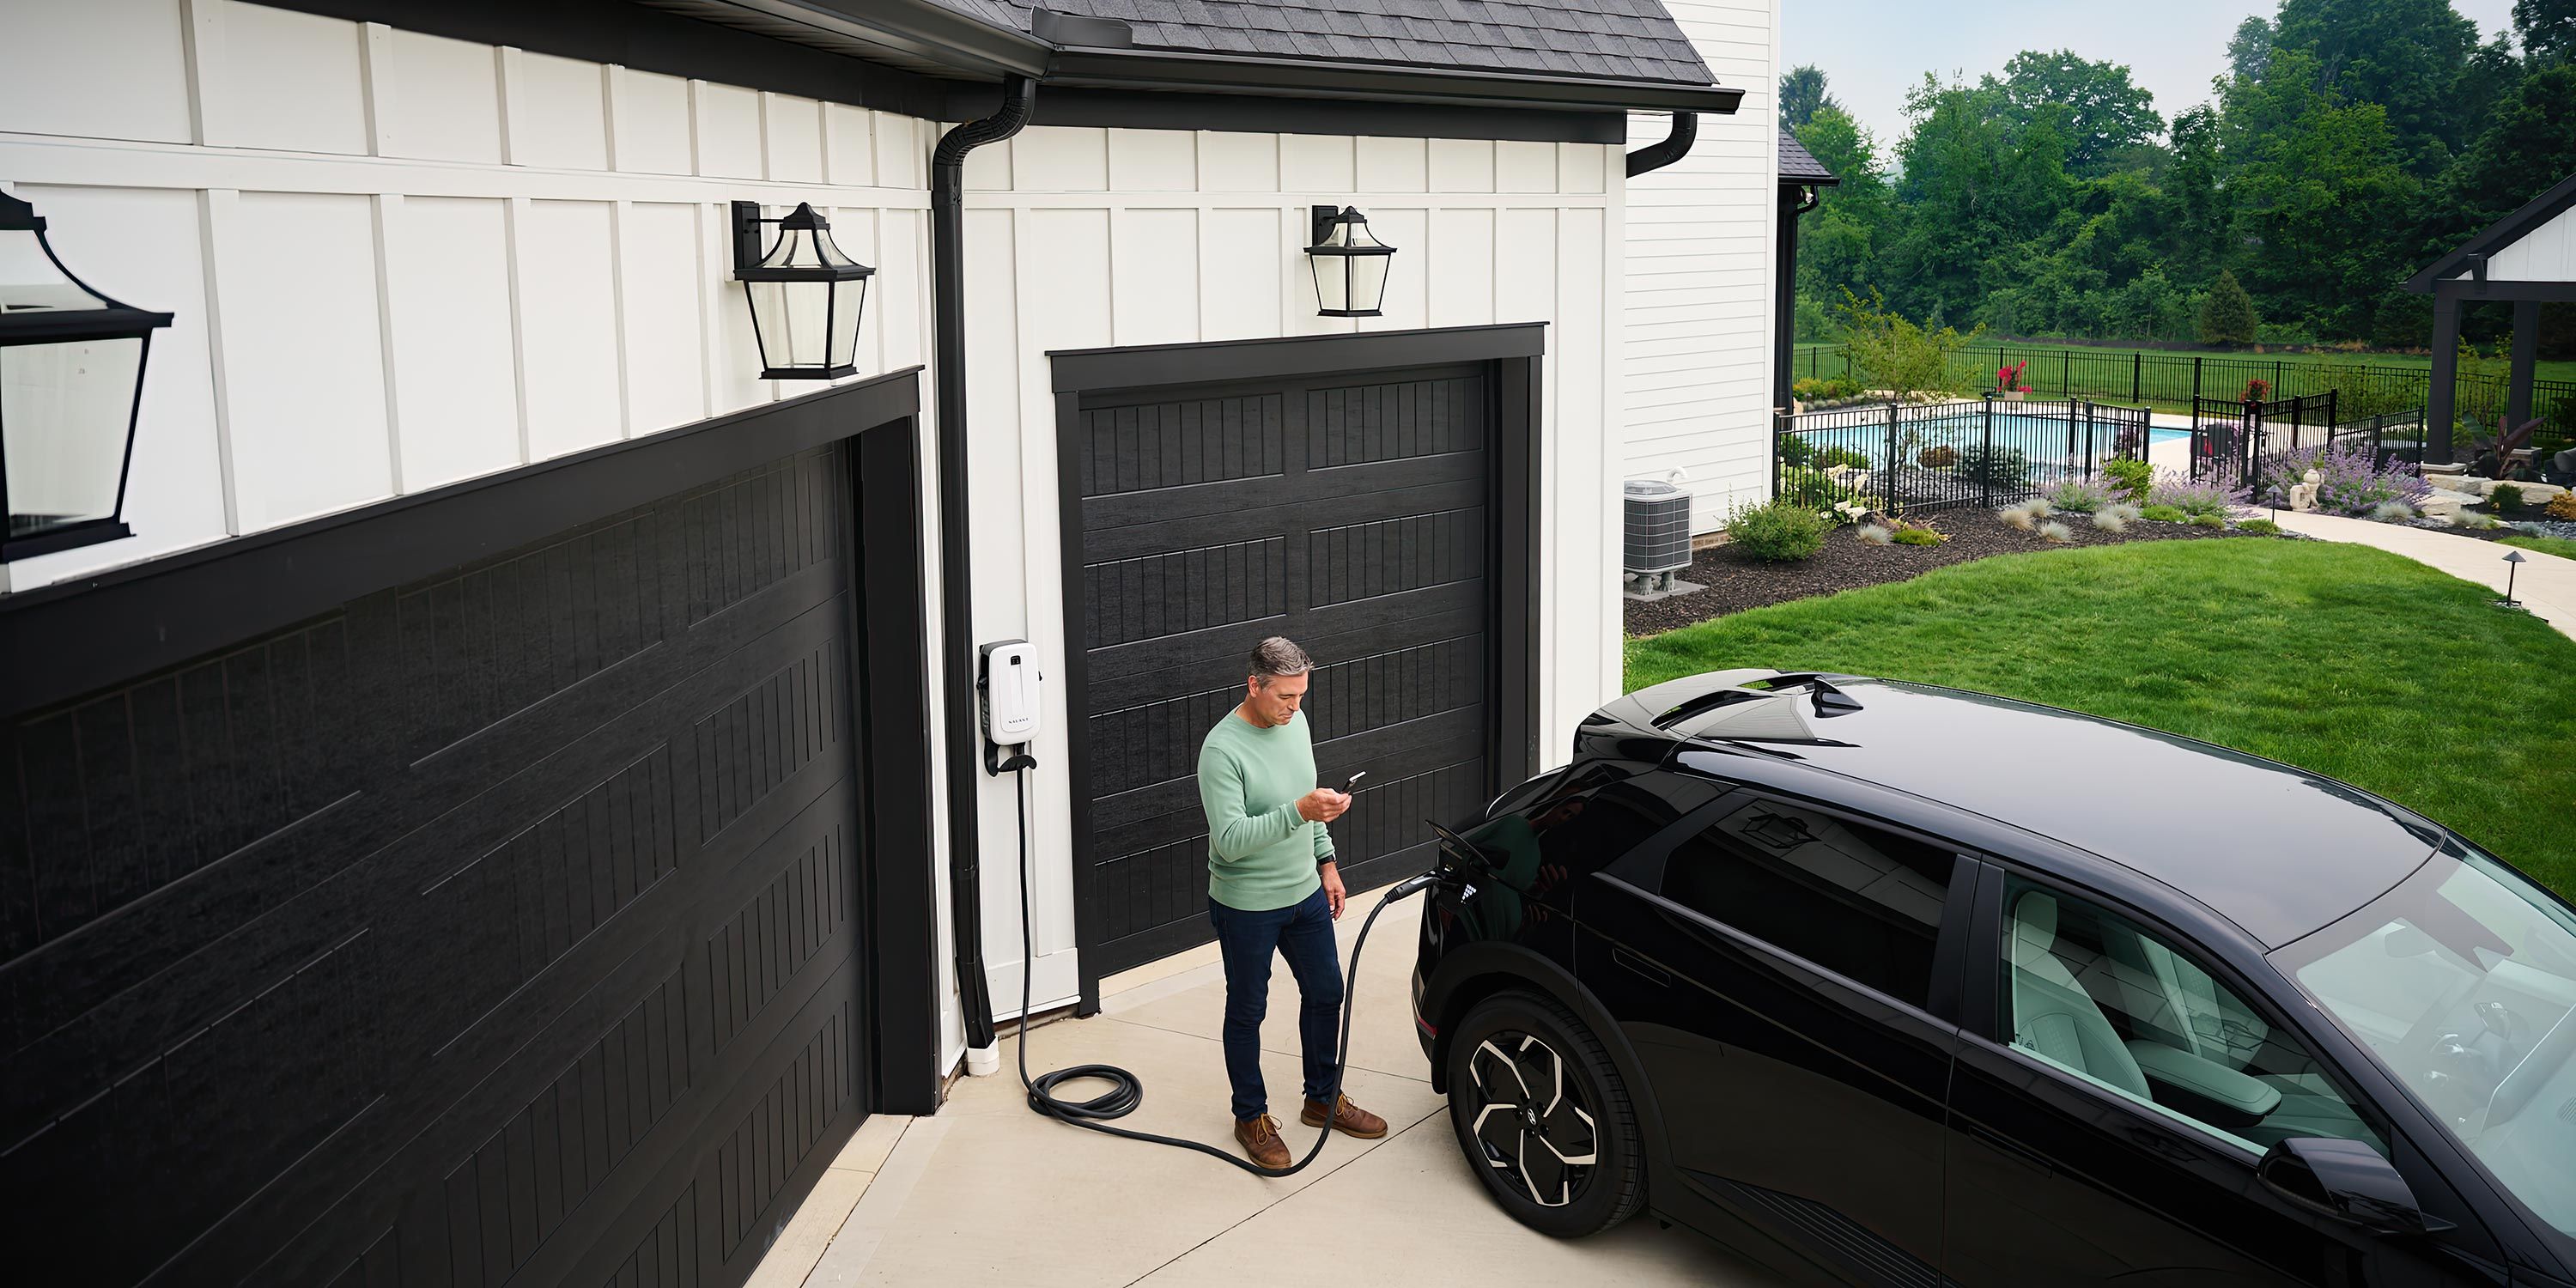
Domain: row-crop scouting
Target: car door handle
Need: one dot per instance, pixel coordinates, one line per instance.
(1641, 965)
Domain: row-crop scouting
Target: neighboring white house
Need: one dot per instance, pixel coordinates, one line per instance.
(499, 808)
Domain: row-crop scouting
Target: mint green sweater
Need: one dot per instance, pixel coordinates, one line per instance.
(1262, 854)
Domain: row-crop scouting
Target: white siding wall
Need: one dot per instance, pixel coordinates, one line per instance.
(1700, 276)
(1082, 237)
(397, 261)
(2545, 254)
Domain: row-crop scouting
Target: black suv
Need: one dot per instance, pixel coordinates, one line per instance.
(1881, 983)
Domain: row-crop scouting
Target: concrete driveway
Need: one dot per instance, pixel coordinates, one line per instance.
(987, 1191)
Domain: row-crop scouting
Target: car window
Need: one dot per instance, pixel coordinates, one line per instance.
(2124, 1008)
(2462, 981)
(1860, 901)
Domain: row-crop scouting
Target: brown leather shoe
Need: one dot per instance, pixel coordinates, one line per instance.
(1260, 1139)
(1348, 1119)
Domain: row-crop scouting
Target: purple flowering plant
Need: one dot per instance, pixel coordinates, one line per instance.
(2350, 480)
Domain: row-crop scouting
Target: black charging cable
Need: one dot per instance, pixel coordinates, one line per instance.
(1126, 1090)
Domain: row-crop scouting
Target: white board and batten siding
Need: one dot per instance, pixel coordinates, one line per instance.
(1700, 276)
(398, 261)
(1085, 237)
(2545, 254)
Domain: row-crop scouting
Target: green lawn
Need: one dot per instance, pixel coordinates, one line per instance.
(2349, 661)
(2559, 546)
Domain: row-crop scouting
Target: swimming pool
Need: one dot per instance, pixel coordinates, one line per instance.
(1944, 454)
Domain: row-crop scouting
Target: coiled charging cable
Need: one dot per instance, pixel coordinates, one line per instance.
(1126, 1090)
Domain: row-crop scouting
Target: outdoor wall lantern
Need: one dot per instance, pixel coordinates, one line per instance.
(71, 381)
(805, 294)
(1349, 263)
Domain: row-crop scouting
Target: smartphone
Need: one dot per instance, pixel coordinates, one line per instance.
(1353, 785)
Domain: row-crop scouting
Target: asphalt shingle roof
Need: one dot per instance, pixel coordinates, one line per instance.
(1797, 165)
(1621, 39)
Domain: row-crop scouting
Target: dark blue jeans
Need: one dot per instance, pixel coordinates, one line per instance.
(1303, 933)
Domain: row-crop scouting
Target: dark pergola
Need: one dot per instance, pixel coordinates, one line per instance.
(2527, 257)
(1801, 174)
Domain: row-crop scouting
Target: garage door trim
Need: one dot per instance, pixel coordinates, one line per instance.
(1511, 352)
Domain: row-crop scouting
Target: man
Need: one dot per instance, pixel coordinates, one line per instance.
(1273, 887)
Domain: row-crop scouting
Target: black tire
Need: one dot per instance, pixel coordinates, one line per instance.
(1510, 1129)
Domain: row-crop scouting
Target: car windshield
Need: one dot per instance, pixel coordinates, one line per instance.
(2463, 981)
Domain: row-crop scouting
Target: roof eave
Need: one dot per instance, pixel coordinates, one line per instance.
(1156, 69)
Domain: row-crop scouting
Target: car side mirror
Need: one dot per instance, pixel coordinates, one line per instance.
(2346, 1180)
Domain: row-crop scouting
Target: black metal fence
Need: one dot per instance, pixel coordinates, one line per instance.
(1931, 456)
(2183, 380)
(2229, 439)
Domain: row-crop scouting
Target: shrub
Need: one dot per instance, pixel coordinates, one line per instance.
(2079, 496)
(1898, 355)
(2390, 512)
(2055, 531)
(2131, 477)
(2561, 506)
(1776, 531)
(1794, 449)
(2264, 526)
(2227, 313)
(2162, 514)
(2207, 521)
(2505, 497)
(1937, 458)
(2350, 479)
(2194, 498)
(2111, 520)
(1839, 457)
(2003, 468)
(1919, 537)
(1825, 389)
(1870, 534)
(2018, 516)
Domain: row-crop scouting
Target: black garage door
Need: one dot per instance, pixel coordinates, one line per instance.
(502, 926)
(1347, 512)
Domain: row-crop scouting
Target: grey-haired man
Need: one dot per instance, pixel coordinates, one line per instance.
(1273, 887)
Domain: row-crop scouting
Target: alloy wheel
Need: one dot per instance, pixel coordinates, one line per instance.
(1534, 1125)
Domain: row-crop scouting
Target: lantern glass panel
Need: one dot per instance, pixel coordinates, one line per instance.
(1332, 282)
(1368, 281)
(849, 300)
(64, 411)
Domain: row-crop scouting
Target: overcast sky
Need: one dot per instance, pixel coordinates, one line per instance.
(1872, 51)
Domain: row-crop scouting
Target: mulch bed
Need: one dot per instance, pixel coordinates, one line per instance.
(1736, 583)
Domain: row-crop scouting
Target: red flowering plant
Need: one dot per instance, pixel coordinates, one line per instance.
(2258, 390)
(2008, 379)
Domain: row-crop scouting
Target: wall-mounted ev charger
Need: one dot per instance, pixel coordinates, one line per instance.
(1008, 682)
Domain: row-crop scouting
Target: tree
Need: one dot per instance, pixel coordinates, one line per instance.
(1802, 95)
(2547, 27)
(2099, 110)
(1897, 355)
(2404, 55)
(2315, 185)
(2528, 144)
(1839, 240)
(2250, 48)
(2227, 313)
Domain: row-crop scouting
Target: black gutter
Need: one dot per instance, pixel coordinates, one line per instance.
(948, 311)
(1298, 77)
(1675, 146)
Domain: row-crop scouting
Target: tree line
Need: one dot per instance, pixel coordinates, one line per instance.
(2349, 144)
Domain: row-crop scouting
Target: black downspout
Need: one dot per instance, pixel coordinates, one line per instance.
(1675, 146)
(948, 325)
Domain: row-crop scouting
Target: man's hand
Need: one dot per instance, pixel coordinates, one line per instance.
(1334, 895)
(1322, 805)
